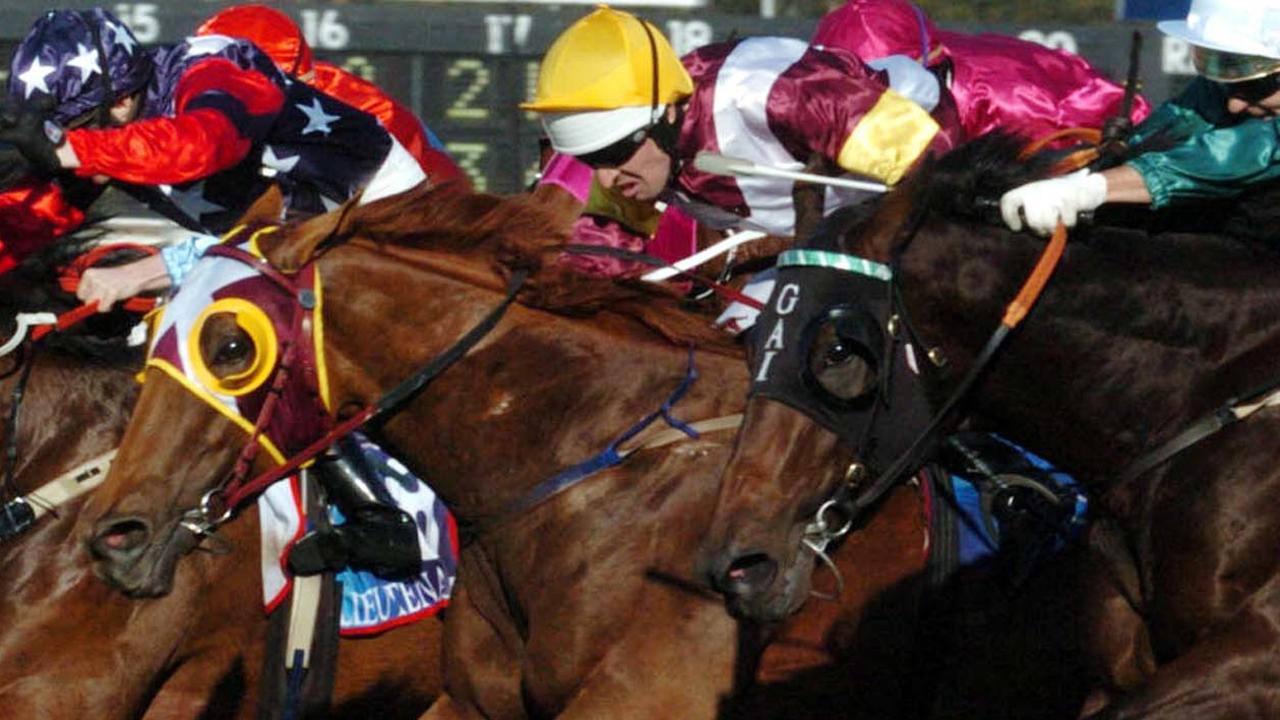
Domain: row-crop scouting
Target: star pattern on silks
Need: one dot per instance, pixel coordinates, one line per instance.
(122, 37)
(277, 164)
(33, 78)
(206, 45)
(317, 119)
(86, 61)
(191, 200)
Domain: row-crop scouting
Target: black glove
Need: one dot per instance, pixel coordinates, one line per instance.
(29, 130)
(13, 167)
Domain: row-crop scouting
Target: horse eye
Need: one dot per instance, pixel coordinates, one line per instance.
(233, 350)
(842, 368)
(838, 353)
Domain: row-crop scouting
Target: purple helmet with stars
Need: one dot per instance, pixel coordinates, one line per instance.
(62, 57)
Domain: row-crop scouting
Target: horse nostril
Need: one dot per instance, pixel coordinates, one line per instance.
(749, 572)
(121, 538)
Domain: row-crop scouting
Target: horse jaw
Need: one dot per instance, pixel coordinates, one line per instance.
(150, 573)
(758, 562)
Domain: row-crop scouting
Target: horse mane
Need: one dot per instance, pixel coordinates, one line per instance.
(969, 181)
(523, 232)
(965, 186)
(32, 286)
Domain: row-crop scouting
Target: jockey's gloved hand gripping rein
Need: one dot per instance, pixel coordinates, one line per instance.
(29, 129)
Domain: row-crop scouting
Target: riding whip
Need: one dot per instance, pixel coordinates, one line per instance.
(718, 164)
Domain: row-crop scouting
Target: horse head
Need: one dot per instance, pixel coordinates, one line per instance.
(248, 364)
(841, 390)
(240, 334)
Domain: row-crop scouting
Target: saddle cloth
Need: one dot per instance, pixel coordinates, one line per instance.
(370, 604)
(970, 520)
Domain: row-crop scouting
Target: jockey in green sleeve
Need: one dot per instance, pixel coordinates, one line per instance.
(1222, 154)
(1226, 124)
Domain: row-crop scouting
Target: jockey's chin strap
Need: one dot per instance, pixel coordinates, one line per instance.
(850, 502)
(217, 505)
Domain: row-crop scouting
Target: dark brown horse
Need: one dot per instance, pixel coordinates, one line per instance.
(1135, 341)
(573, 606)
(72, 648)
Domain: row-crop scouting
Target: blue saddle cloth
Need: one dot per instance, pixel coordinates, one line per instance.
(999, 507)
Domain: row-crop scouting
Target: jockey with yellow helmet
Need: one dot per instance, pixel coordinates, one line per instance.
(1227, 124)
(614, 95)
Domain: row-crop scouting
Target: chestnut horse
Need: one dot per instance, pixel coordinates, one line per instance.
(1135, 341)
(572, 603)
(72, 648)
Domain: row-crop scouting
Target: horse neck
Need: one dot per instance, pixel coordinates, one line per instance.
(1125, 348)
(541, 393)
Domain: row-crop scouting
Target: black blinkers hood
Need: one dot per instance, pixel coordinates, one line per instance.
(811, 285)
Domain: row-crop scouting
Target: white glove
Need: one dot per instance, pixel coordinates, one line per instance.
(1045, 202)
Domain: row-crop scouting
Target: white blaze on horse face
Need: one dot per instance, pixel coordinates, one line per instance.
(788, 298)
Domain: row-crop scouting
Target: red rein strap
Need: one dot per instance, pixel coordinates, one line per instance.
(1073, 161)
(70, 282)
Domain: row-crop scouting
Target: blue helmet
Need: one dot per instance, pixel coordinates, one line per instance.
(62, 57)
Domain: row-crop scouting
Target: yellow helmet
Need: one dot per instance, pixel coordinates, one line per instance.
(606, 76)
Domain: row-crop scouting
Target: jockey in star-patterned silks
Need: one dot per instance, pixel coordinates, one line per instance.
(199, 130)
(278, 36)
(196, 130)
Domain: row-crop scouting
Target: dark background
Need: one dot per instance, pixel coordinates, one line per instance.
(464, 68)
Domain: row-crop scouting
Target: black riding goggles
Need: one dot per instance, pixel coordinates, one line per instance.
(1255, 90)
(618, 153)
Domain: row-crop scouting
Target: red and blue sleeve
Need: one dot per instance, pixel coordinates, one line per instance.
(220, 111)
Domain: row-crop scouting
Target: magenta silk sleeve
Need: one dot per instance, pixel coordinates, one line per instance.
(1006, 82)
(816, 103)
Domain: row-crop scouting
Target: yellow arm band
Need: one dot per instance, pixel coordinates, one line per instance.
(888, 139)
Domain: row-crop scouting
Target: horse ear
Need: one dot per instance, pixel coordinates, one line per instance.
(288, 251)
(894, 222)
(268, 209)
(809, 198)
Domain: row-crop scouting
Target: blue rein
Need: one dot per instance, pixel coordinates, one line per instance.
(611, 455)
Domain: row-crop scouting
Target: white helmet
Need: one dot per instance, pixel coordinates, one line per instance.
(1232, 40)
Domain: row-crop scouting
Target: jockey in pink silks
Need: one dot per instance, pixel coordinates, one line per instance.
(997, 81)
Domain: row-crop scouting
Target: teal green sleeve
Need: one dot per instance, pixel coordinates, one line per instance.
(1219, 155)
(1202, 106)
